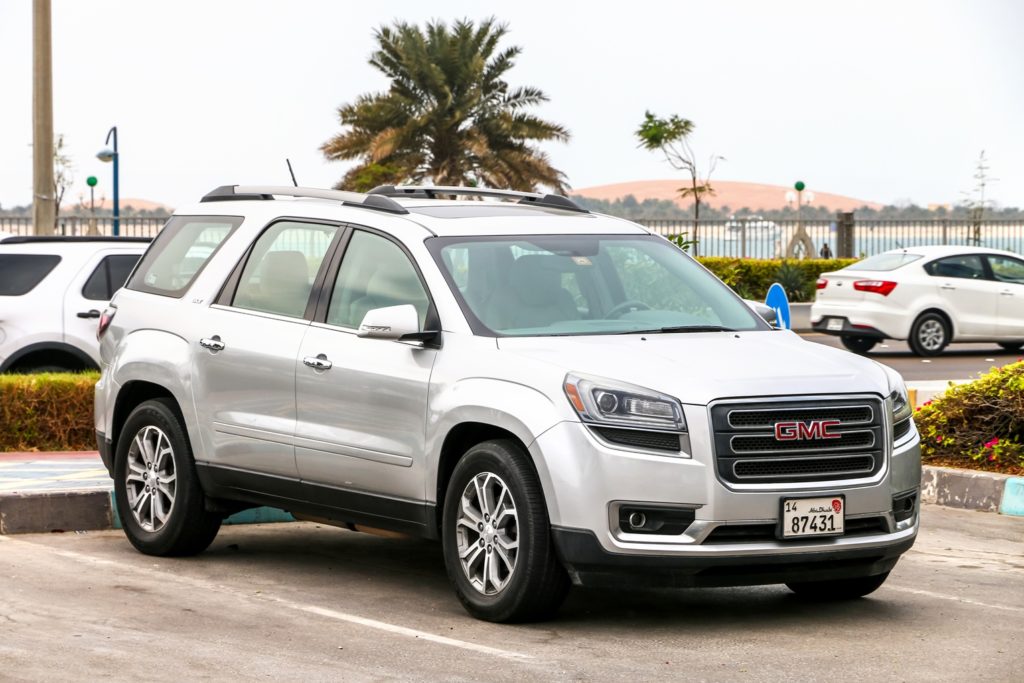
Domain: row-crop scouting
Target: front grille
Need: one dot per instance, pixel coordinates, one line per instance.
(758, 533)
(659, 441)
(747, 450)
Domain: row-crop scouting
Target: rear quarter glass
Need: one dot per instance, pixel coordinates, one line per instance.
(180, 252)
(22, 272)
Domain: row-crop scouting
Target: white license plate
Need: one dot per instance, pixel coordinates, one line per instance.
(835, 323)
(803, 517)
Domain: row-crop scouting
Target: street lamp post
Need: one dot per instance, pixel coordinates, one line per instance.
(105, 155)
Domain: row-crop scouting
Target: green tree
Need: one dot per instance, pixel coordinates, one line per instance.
(672, 137)
(448, 117)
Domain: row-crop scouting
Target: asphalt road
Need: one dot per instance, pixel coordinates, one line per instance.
(304, 602)
(958, 361)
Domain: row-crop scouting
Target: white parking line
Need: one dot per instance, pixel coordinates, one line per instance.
(310, 609)
(953, 598)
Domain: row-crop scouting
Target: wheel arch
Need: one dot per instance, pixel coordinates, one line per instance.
(46, 353)
(938, 311)
(131, 395)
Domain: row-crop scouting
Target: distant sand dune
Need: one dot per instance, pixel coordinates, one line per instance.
(735, 195)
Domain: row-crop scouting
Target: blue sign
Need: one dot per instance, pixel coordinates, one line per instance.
(777, 299)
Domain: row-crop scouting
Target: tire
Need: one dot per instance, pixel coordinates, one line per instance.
(838, 589)
(187, 528)
(1012, 347)
(929, 335)
(858, 344)
(527, 583)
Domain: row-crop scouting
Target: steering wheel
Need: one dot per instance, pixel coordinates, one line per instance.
(618, 310)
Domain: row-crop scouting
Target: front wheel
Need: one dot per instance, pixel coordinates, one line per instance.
(159, 500)
(838, 589)
(858, 344)
(929, 335)
(497, 538)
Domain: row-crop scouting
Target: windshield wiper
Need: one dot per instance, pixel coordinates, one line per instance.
(682, 328)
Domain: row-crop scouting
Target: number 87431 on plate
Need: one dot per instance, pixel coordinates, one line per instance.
(804, 517)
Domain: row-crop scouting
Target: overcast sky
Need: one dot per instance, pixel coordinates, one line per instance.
(883, 101)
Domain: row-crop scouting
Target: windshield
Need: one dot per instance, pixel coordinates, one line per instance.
(885, 261)
(585, 284)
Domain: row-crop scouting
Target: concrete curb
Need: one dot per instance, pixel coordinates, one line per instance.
(89, 510)
(971, 490)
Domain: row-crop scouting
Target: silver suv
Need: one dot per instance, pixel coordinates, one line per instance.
(557, 396)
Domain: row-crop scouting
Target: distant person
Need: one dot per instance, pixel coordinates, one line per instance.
(826, 251)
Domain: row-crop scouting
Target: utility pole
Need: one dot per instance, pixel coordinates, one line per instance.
(43, 204)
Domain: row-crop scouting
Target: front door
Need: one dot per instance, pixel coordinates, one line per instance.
(970, 297)
(245, 352)
(362, 403)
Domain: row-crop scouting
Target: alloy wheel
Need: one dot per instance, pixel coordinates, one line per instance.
(487, 533)
(150, 478)
(931, 335)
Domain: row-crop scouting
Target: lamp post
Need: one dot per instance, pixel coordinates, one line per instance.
(105, 155)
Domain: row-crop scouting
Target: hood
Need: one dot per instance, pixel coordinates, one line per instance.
(698, 368)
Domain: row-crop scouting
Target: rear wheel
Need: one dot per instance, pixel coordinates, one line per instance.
(929, 335)
(858, 344)
(1012, 347)
(838, 589)
(159, 500)
(497, 537)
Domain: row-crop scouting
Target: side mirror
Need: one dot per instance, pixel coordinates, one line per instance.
(766, 312)
(394, 322)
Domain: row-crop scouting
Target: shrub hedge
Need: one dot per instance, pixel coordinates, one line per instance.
(979, 425)
(47, 412)
(751, 278)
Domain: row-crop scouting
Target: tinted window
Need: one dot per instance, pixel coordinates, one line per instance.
(967, 267)
(278, 277)
(1006, 269)
(375, 273)
(109, 276)
(884, 262)
(179, 253)
(20, 273)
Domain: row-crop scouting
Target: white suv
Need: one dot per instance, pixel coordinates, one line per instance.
(52, 290)
(557, 396)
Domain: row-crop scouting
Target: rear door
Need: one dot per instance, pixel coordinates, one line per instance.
(1008, 273)
(90, 291)
(971, 298)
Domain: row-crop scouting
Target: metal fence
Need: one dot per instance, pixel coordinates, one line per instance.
(131, 226)
(753, 238)
(760, 238)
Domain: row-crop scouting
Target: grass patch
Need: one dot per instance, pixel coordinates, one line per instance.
(47, 412)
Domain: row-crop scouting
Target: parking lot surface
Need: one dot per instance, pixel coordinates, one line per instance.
(958, 361)
(306, 602)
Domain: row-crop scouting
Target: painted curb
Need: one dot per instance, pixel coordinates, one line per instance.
(972, 490)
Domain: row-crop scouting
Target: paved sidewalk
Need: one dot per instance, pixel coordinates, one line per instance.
(52, 471)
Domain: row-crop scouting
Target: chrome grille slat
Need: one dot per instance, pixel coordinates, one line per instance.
(770, 445)
(860, 414)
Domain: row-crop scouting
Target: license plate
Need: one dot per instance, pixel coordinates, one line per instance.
(803, 517)
(835, 323)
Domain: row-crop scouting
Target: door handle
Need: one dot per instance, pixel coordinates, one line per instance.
(213, 343)
(1006, 292)
(88, 314)
(319, 362)
(947, 286)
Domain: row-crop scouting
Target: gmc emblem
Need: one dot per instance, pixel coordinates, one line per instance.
(798, 431)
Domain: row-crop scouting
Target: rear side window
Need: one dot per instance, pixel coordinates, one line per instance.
(966, 267)
(109, 276)
(180, 252)
(20, 273)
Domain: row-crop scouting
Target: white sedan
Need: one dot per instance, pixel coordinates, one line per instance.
(929, 296)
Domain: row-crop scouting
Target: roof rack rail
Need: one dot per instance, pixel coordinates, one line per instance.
(226, 193)
(35, 239)
(555, 201)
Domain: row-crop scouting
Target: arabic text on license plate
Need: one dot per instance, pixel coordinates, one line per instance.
(835, 323)
(803, 517)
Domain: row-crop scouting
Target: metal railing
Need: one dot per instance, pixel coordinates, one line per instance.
(760, 238)
(131, 226)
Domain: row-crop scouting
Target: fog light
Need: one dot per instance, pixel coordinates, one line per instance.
(637, 520)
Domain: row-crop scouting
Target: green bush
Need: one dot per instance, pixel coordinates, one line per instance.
(978, 425)
(47, 412)
(751, 278)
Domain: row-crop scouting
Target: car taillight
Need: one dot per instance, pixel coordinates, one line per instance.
(105, 319)
(883, 287)
(822, 283)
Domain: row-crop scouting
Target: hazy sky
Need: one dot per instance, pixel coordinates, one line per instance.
(883, 101)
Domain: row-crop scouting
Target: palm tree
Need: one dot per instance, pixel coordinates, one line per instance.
(449, 117)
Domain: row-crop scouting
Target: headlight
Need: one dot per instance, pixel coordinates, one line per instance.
(604, 401)
(901, 408)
